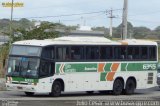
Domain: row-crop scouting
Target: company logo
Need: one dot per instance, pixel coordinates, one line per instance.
(90, 68)
(149, 66)
(29, 80)
(16, 4)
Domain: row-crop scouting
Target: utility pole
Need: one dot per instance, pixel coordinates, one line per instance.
(11, 31)
(111, 19)
(124, 21)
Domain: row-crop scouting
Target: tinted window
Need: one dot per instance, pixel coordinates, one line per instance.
(77, 52)
(63, 53)
(120, 52)
(152, 53)
(144, 52)
(136, 53)
(116, 52)
(92, 53)
(130, 54)
(48, 52)
(46, 68)
(123, 52)
(106, 52)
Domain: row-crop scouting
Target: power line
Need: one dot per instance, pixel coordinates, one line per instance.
(68, 15)
(64, 15)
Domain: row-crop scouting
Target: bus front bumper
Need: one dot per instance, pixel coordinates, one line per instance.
(20, 87)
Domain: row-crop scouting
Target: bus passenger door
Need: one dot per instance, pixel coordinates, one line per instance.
(46, 73)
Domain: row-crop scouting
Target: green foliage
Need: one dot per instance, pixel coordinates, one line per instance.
(141, 32)
(117, 32)
(23, 23)
(4, 50)
(44, 31)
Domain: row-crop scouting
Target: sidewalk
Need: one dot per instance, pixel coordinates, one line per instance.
(2, 84)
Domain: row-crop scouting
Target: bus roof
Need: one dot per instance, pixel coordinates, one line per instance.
(81, 40)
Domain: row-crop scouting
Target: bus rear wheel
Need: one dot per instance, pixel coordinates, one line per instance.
(130, 87)
(90, 92)
(29, 93)
(117, 87)
(56, 89)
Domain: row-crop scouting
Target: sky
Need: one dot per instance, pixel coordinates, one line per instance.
(140, 12)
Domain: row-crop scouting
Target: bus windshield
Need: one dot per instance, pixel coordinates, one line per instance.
(22, 66)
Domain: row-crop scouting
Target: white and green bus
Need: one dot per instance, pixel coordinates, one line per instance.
(71, 64)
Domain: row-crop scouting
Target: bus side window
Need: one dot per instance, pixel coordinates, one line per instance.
(123, 52)
(152, 53)
(144, 53)
(136, 53)
(117, 53)
(76, 52)
(92, 53)
(130, 53)
(48, 52)
(63, 53)
(106, 52)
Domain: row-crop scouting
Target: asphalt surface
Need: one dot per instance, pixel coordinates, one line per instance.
(77, 99)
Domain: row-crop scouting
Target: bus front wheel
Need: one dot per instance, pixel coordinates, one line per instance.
(29, 93)
(56, 89)
(117, 87)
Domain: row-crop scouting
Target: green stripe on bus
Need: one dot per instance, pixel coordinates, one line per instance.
(82, 67)
(123, 66)
(28, 80)
(103, 76)
(107, 67)
(93, 67)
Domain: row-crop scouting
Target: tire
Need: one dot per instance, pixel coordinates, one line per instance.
(90, 92)
(29, 93)
(130, 87)
(104, 92)
(117, 87)
(56, 89)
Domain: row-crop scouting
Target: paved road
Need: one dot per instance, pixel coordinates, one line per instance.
(72, 99)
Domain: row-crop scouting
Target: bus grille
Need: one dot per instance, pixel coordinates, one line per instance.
(150, 78)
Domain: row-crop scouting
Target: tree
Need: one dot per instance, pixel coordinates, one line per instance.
(156, 32)
(44, 31)
(141, 32)
(117, 32)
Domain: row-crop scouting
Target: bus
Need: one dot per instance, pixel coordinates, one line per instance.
(73, 64)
